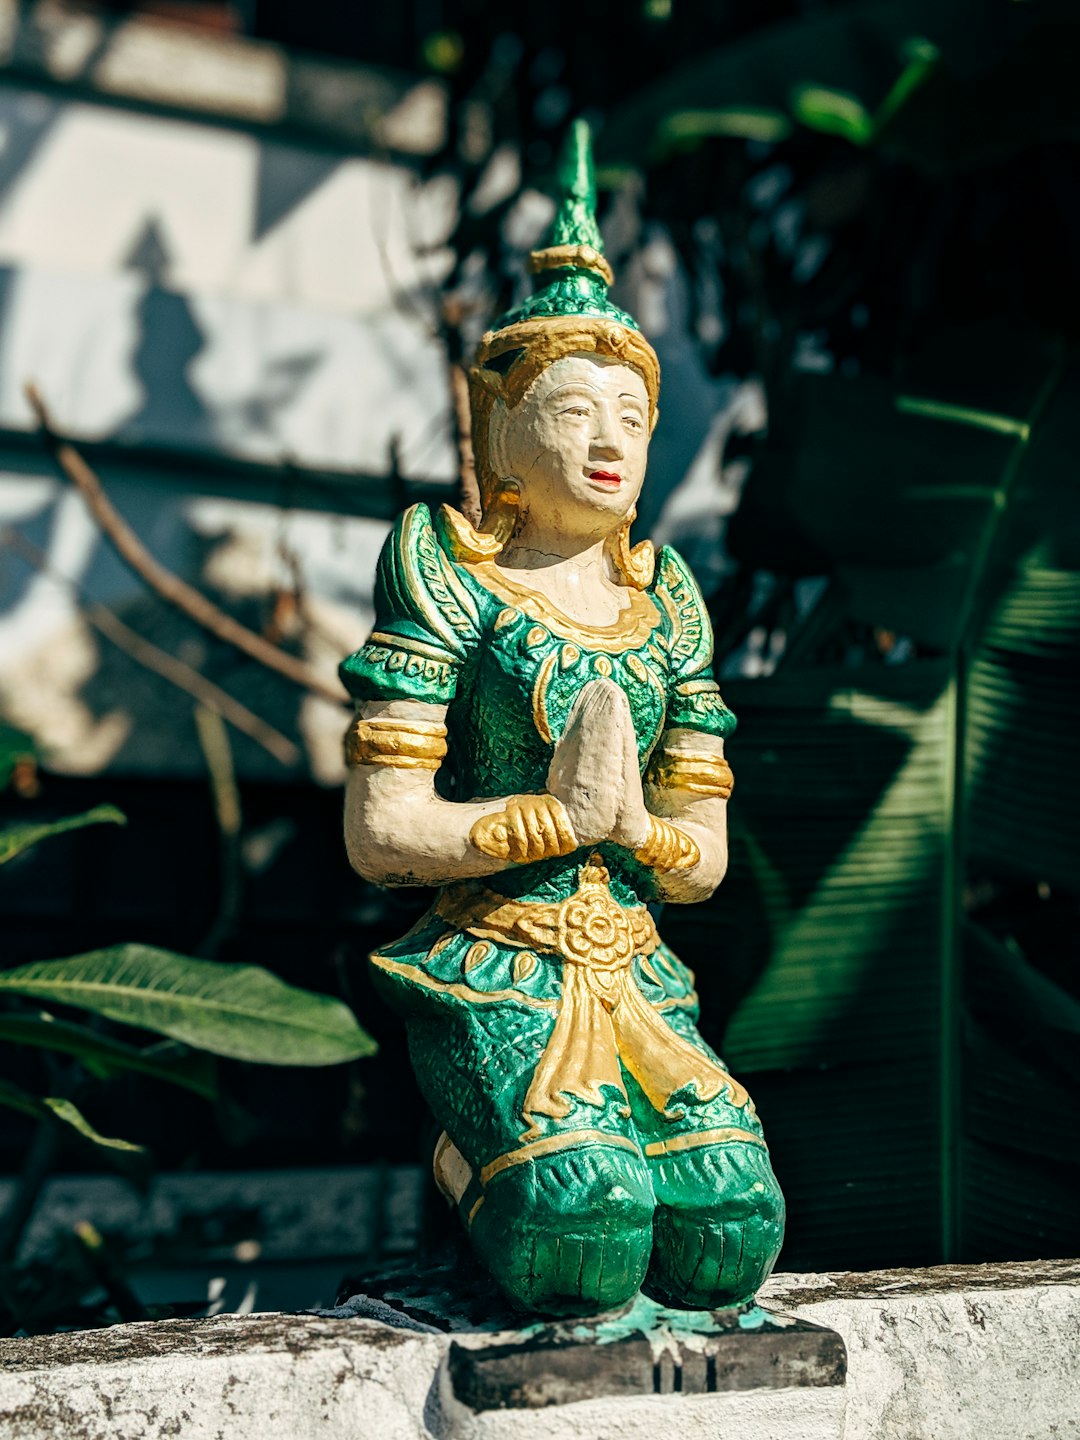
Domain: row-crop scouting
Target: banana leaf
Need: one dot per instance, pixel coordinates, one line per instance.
(902, 1053)
(239, 1011)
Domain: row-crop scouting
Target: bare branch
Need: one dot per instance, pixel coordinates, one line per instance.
(209, 695)
(163, 582)
(468, 488)
(214, 740)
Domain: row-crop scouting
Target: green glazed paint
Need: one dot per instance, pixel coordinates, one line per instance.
(593, 1141)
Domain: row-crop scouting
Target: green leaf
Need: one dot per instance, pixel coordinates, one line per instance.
(687, 128)
(133, 1159)
(68, 1114)
(105, 1056)
(17, 838)
(239, 1011)
(832, 113)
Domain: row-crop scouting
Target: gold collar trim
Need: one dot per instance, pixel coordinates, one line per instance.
(632, 628)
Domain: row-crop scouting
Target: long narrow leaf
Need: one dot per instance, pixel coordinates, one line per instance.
(106, 1056)
(239, 1011)
(17, 838)
(128, 1157)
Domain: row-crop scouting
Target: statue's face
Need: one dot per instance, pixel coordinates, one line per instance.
(577, 443)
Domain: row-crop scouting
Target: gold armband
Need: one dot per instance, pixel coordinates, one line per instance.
(667, 848)
(409, 744)
(700, 772)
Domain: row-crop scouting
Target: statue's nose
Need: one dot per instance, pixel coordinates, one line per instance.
(607, 442)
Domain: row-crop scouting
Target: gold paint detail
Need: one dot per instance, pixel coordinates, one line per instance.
(549, 1145)
(463, 541)
(536, 636)
(477, 954)
(728, 1135)
(637, 564)
(649, 971)
(530, 827)
(525, 963)
(637, 621)
(440, 944)
(590, 928)
(456, 990)
(406, 744)
(697, 687)
(679, 1002)
(418, 647)
(638, 668)
(701, 772)
(472, 1212)
(506, 617)
(569, 655)
(604, 1022)
(539, 697)
(452, 1172)
(602, 665)
(666, 847)
(571, 257)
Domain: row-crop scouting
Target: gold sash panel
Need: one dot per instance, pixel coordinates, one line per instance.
(604, 1022)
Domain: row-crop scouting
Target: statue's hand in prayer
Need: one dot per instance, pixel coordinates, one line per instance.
(595, 771)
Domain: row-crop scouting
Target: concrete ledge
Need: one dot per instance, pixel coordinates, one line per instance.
(964, 1353)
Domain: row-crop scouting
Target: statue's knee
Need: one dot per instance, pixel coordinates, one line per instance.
(719, 1227)
(570, 1233)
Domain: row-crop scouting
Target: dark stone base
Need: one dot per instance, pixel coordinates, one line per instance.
(642, 1353)
(645, 1349)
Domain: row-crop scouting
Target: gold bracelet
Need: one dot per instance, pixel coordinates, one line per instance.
(666, 847)
(408, 744)
(700, 772)
(531, 827)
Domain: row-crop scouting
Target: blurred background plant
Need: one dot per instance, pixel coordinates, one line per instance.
(850, 231)
(202, 1009)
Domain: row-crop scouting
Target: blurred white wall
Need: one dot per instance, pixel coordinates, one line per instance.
(197, 293)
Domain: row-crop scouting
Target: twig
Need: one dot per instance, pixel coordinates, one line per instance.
(144, 653)
(214, 740)
(163, 582)
(468, 489)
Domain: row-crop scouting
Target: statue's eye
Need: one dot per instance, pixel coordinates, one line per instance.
(632, 422)
(577, 410)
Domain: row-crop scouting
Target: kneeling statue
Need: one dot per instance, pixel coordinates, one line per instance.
(538, 735)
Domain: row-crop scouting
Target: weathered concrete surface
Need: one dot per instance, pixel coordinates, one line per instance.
(966, 1352)
(981, 1353)
(251, 1376)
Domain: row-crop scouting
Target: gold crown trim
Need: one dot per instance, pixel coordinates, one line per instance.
(571, 257)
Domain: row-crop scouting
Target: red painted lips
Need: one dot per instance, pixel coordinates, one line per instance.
(607, 478)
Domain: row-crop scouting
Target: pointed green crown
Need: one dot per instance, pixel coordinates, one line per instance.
(572, 274)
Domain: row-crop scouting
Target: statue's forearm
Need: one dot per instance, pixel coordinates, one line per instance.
(706, 828)
(399, 832)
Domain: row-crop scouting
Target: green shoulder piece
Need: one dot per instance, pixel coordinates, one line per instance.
(686, 621)
(694, 700)
(426, 622)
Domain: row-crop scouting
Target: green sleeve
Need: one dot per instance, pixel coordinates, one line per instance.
(694, 701)
(426, 623)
